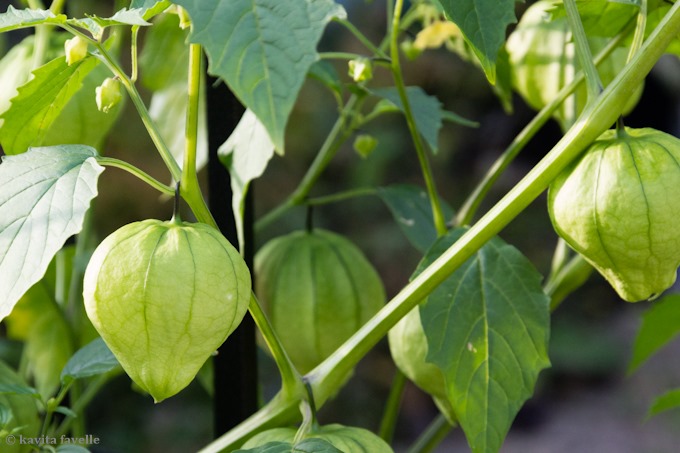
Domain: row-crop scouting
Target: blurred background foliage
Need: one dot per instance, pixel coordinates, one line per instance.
(585, 402)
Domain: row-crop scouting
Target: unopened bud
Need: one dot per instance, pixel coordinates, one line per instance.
(75, 49)
(109, 93)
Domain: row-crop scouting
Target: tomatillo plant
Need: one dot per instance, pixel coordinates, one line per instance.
(472, 326)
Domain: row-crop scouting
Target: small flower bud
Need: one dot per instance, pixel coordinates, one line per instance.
(360, 69)
(109, 93)
(75, 49)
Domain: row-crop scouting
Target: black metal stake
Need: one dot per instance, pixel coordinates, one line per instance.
(235, 366)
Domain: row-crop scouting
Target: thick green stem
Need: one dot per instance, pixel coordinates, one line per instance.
(128, 167)
(437, 213)
(467, 212)
(191, 190)
(329, 375)
(594, 120)
(585, 58)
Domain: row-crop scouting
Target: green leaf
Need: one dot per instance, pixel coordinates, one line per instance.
(245, 154)
(603, 17)
(91, 360)
(15, 69)
(72, 449)
(150, 7)
(96, 25)
(427, 111)
(660, 325)
(305, 446)
(165, 41)
(6, 415)
(38, 321)
(325, 72)
(168, 110)
(18, 389)
(412, 211)
(487, 329)
(65, 411)
(262, 49)
(23, 406)
(667, 401)
(40, 102)
(483, 24)
(80, 121)
(14, 18)
(46, 193)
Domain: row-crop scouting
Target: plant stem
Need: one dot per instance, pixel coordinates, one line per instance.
(341, 196)
(389, 418)
(361, 37)
(130, 87)
(191, 190)
(329, 375)
(51, 405)
(585, 58)
(437, 214)
(339, 56)
(57, 6)
(292, 384)
(337, 136)
(467, 212)
(133, 53)
(595, 119)
(128, 167)
(432, 436)
(83, 400)
(640, 27)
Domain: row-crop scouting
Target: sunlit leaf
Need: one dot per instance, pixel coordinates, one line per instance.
(14, 19)
(46, 193)
(245, 154)
(483, 24)
(40, 102)
(150, 7)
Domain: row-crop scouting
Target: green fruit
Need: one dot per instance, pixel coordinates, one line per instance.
(618, 207)
(345, 438)
(543, 61)
(408, 347)
(317, 289)
(164, 296)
